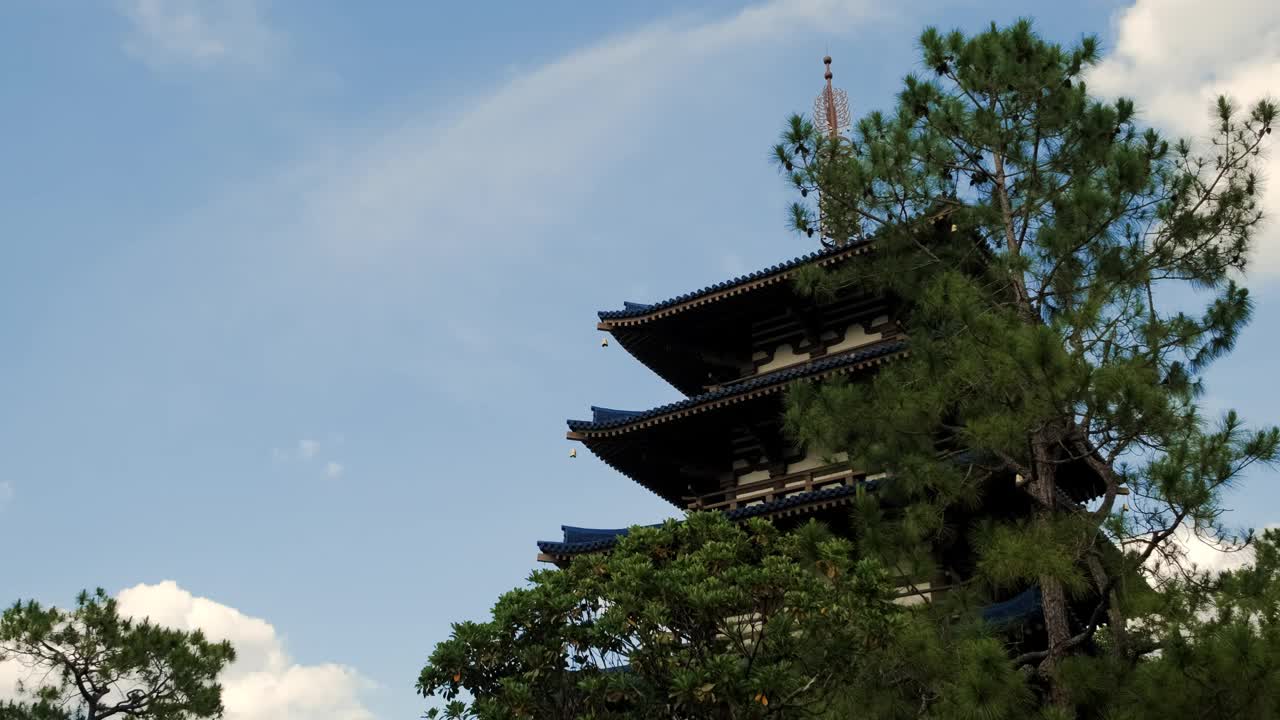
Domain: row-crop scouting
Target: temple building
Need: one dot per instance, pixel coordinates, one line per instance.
(732, 349)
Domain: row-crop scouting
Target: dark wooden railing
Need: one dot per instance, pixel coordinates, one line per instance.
(773, 488)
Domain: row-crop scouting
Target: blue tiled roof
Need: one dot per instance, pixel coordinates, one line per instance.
(631, 309)
(552, 547)
(585, 540)
(1019, 607)
(604, 418)
(603, 415)
(582, 540)
(576, 534)
(797, 499)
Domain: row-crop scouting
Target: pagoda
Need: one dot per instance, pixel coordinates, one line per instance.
(733, 349)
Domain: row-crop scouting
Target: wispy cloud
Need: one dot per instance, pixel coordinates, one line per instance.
(1176, 56)
(400, 209)
(6, 494)
(198, 33)
(308, 450)
(525, 153)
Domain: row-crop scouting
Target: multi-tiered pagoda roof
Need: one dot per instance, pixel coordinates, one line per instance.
(732, 348)
(707, 337)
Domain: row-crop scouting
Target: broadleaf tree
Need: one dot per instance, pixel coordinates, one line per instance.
(1068, 276)
(708, 619)
(92, 663)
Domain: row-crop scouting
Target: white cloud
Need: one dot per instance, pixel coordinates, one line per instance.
(307, 449)
(1174, 57)
(196, 32)
(1190, 550)
(1215, 557)
(264, 683)
(6, 493)
(11, 673)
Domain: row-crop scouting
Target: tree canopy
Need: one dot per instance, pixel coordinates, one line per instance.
(708, 619)
(91, 663)
(1065, 278)
(1045, 247)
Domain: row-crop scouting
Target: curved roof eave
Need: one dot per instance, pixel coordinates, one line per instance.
(604, 419)
(636, 313)
(584, 540)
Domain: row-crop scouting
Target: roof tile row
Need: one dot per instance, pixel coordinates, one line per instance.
(583, 540)
(605, 418)
(631, 309)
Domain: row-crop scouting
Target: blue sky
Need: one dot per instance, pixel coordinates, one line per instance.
(296, 296)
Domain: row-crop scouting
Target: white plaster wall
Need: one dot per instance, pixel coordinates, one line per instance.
(814, 459)
(855, 336)
(909, 600)
(784, 356)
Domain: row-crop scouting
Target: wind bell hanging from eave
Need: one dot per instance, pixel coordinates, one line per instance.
(830, 117)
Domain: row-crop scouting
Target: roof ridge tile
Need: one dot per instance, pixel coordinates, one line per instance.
(633, 309)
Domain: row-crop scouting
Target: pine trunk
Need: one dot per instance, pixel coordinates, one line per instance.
(1054, 600)
(1053, 596)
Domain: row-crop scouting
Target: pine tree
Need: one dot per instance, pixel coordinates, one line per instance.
(1041, 243)
(1042, 248)
(90, 663)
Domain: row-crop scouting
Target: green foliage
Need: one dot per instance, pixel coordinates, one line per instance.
(1210, 647)
(1042, 244)
(827, 643)
(90, 663)
(710, 620)
(40, 710)
(1042, 247)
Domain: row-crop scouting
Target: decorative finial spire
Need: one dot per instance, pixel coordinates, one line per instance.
(830, 116)
(831, 108)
